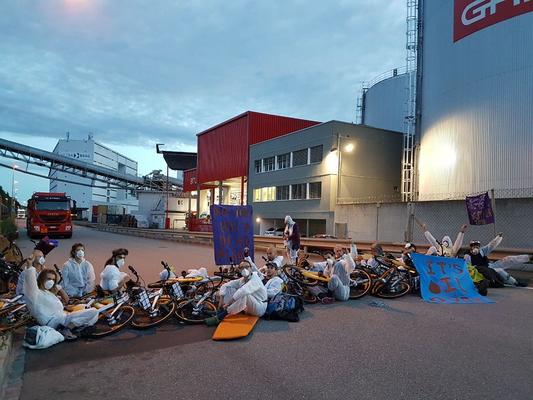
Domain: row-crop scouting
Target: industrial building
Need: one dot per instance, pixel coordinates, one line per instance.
(473, 95)
(117, 201)
(309, 172)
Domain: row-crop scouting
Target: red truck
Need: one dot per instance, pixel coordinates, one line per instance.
(49, 214)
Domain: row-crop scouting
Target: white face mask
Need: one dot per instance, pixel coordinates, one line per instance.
(41, 260)
(49, 284)
(120, 262)
(475, 251)
(245, 273)
(80, 254)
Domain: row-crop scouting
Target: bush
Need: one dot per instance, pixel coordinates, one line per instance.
(8, 227)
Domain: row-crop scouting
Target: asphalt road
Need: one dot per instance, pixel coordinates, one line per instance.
(363, 349)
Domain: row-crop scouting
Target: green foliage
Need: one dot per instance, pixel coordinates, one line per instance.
(8, 226)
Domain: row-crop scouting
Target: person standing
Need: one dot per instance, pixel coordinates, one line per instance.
(292, 236)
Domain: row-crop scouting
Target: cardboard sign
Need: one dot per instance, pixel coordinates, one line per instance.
(232, 232)
(479, 209)
(446, 281)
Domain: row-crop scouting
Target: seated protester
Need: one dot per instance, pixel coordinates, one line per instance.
(376, 250)
(77, 273)
(274, 283)
(165, 275)
(479, 280)
(112, 278)
(246, 294)
(494, 271)
(40, 292)
(271, 257)
(38, 262)
(445, 248)
(408, 249)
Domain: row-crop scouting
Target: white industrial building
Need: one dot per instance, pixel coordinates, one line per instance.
(88, 194)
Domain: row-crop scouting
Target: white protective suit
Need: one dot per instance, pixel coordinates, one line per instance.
(48, 310)
(248, 296)
(77, 278)
(274, 286)
(339, 282)
(111, 277)
(446, 249)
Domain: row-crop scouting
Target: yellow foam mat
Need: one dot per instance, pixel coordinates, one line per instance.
(235, 327)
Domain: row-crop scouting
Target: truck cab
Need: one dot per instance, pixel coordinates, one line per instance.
(49, 214)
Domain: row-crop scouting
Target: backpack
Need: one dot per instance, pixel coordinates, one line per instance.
(285, 306)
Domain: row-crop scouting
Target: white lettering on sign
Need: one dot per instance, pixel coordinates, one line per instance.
(76, 155)
(477, 10)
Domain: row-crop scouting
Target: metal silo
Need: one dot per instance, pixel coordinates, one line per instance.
(476, 104)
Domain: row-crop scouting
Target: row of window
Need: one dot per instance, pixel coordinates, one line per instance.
(298, 191)
(306, 156)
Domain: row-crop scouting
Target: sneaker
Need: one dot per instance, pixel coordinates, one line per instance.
(327, 300)
(212, 321)
(482, 287)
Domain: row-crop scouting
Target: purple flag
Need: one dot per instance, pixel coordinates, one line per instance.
(479, 209)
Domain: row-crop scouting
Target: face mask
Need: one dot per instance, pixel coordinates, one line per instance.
(245, 273)
(41, 260)
(445, 244)
(49, 284)
(120, 262)
(475, 251)
(80, 254)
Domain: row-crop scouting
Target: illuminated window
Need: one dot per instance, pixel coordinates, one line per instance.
(268, 193)
(257, 195)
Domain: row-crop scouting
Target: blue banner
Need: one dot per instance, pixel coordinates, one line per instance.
(233, 230)
(446, 280)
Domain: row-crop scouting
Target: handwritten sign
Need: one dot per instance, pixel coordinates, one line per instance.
(232, 232)
(479, 209)
(446, 281)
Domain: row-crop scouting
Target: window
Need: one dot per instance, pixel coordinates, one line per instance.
(284, 161)
(268, 193)
(282, 192)
(257, 195)
(299, 191)
(299, 157)
(316, 154)
(315, 190)
(268, 164)
(258, 166)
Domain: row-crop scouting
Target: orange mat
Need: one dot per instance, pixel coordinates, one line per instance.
(235, 327)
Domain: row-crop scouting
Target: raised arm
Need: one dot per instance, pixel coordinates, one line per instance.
(459, 240)
(487, 249)
(432, 241)
(30, 288)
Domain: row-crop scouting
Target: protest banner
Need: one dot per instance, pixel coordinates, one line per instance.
(479, 209)
(446, 281)
(232, 232)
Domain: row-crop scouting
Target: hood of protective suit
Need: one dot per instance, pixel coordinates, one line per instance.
(288, 220)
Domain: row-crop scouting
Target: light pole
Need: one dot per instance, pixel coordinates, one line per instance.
(167, 220)
(13, 201)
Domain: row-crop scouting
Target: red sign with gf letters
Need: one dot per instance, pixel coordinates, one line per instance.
(473, 15)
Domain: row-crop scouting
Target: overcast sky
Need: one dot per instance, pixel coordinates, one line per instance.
(136, 73)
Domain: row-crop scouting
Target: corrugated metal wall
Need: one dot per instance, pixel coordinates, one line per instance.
(265, 126)
(385, 104)
(189, 180)
(223, 149)
(476, 109)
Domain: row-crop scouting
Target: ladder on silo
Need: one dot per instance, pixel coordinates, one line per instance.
(408, 159)
(360, 108)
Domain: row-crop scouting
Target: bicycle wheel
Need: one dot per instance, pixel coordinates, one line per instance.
(360, 284)
(188, 310)
(387, 291)
(106, 326)
(14, 317)
(144, 319)
(295, 274)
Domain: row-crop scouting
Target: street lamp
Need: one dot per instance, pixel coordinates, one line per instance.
(13, 202)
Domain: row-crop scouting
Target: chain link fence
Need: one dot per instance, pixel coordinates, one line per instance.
(399, 221)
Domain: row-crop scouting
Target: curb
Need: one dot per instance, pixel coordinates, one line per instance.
(5, 357)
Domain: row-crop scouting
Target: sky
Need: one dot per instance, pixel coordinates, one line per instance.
(134, 73)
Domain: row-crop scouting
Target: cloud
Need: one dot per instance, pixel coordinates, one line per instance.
(147, 72)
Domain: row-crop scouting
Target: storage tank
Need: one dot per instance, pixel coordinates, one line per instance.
(384, 102)
(476, 105)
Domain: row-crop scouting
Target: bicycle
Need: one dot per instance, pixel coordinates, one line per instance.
(387, 280)
(13, 314)
(12, 252)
